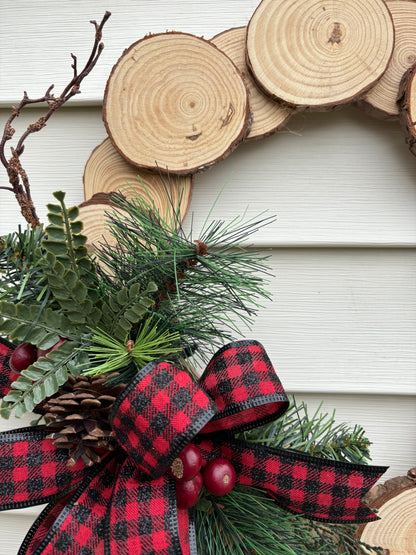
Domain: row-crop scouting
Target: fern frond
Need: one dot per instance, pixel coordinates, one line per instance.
(126, 308)
(20, 323)
(40, 380)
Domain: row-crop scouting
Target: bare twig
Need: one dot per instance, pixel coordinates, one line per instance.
(17, 176)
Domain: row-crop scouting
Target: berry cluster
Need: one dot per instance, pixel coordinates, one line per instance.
(26, 354)
(218, 476)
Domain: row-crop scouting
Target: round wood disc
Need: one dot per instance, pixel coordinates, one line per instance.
(175, 101)
(267, 115)
(396, 529)
(317, 54)
(94, 215)
(106, 172)
(381, 100)
(407, 107)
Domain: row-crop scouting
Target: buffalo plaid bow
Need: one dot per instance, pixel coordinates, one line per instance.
(126, 504)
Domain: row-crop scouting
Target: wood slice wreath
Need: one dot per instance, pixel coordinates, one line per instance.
(175, 101)
(396, 504)
(107, 172)
(317, 54)
(407, 107)
(268, 115)
(381, 100)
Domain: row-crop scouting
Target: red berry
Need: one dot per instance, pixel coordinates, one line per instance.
(23, 356)
(187, 463)
(44, 352)
(219, 476)
(187, 491)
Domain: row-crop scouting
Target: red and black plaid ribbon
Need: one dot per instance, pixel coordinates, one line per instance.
(127, 504)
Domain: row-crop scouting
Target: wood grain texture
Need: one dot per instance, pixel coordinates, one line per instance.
(318, 55)
(174, 101)
(381, 100)
(331, 178)
(267, 115)
(342, 324)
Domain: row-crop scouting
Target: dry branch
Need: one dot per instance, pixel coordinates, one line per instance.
(18, 178)
(318, 55)
(175, 101)
(268, 115)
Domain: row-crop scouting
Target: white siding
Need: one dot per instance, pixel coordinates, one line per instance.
(342, 324)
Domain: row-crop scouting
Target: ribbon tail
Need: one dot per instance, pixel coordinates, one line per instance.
(144, 517)
(319, 489)
(32, 470)
(78, 524)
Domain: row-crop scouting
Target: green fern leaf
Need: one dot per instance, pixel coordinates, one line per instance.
(41, 379)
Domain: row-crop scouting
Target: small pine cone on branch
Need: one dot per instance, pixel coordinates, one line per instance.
(79, 417)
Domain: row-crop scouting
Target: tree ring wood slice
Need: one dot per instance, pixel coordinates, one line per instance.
(268, 115)
(407, 107)
(381, 100)
(94, 215)
(174, 101)
(106, 172)
(318, 55)
(396, 529)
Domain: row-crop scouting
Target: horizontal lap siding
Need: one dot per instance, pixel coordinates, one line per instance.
(342, 324)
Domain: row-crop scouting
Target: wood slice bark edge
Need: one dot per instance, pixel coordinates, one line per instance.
(397, 499)
(407, 107)
(302, 69)
(174, 102)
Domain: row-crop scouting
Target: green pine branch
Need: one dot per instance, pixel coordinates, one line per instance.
(208, 287)
(317, 434)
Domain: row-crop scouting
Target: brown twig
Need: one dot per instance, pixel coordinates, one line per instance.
(17, 176)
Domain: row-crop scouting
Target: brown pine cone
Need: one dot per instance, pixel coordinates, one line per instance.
(79, 417)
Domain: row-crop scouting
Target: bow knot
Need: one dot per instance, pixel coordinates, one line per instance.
(127, 503)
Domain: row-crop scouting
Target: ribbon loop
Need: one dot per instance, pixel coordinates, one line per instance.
(245, 387)
(159, 413)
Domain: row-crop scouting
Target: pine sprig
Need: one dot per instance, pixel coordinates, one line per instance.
(248, 521)
(108, 354)
(207, 286)
(21, 274)
(318, 435)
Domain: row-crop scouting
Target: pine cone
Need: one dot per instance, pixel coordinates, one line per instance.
(78, 416)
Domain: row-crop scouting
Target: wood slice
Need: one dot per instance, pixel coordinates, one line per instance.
(175, 101)
(381, 100)
(94, 215)
(106, 172)
(407, 107)
(396, 504)
(316, 54)
(268, 115)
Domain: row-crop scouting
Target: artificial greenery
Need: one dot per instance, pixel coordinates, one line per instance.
(317, 434)
(157, 294)
(207, 286)
(22, 278)
(248, 521)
